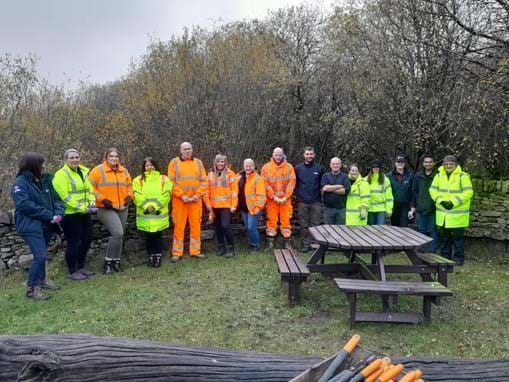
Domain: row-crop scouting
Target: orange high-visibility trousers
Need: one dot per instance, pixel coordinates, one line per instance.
(181, 214)
(279, 212)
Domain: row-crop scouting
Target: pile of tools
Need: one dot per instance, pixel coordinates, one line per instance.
(369, 369)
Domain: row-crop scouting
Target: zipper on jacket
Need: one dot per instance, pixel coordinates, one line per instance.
(118, 188)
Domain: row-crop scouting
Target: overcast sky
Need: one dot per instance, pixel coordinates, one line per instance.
(94, 40)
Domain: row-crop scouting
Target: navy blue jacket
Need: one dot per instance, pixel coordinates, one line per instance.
(36, 203)
(308, 182)
(401, 190)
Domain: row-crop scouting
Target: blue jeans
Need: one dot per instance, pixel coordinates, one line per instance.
(38, 245)
(426, 226)
(334, 215)
(251, 223)
(376, 218)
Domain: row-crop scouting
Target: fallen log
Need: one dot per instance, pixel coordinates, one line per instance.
(88, 358)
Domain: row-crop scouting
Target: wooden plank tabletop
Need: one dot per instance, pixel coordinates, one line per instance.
(370, 238)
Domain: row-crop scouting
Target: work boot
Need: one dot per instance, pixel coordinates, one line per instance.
(116, 265)
(86, 272)
(108, 267)
(151, 261)
(200, 256)
(76, 276)
(34, 293)
(221, 249)
(175, 259)
(49, 285)
(270, 243)
(230, 252)
(157, 261)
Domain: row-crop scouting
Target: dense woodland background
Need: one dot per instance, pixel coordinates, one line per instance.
(369, 79)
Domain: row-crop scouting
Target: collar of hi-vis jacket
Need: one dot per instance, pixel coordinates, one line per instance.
(108, 168)
(283, 162)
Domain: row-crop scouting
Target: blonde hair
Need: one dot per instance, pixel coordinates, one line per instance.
(221, 180)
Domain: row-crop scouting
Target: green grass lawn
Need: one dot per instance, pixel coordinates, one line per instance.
(240, 304)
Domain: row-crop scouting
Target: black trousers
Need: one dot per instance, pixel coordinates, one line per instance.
(449, 239)
(222, 223)
(78, 234)
(154, 242)
(399, 217)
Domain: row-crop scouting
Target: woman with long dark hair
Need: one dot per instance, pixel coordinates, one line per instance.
(37, 211)
(152, 194)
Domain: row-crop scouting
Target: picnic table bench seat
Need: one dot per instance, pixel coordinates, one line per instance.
(442, 265)
(428, 290)
(293, 270)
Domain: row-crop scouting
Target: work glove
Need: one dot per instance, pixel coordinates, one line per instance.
(362, 215)
(186, 199)
(91, 209)
(410, 215)
(107, 203)
(447, 204)
(389, 214)
(127, 201)
(283, 200)
(56, 219)
(195, 198)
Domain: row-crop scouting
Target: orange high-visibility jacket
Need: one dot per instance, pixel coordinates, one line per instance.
(223, 195)
(279, 179)
(110, 184)
(254, 190)
(188, 177)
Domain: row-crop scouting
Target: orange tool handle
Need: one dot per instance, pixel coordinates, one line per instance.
(371, 368)
(391, 373)
(374, 376)
(412, 376)
(350, 345)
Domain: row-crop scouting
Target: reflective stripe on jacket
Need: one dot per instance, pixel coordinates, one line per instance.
(109, 184)
(456, 188)
(76, 192)
(188, 177)
(357, 201)
(380, 195)
(254, 191)
(152, 191)
(223, 195)
(279, 179)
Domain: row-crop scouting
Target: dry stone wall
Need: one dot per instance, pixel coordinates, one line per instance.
(489, 225)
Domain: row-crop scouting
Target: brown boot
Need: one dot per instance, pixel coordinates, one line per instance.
(34, 293)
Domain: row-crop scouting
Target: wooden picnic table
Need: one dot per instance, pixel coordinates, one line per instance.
(379, 241)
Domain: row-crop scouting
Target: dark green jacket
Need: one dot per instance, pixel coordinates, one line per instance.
(421, 200)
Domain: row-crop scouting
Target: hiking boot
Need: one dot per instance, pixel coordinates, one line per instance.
(86, 272)
(49, 285)
(253, 249)
(305, 248)
(151, 261)
(116, 265)
(34, 293)
(108, 267)
(175, 259)
(76, 276)
(221, 250)
(200, 256)
(230, 252)
(157, 261)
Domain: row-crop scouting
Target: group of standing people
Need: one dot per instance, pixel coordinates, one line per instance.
(65, 201)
